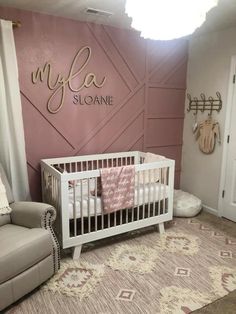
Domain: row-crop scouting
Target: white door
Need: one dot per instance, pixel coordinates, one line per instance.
(229, 190)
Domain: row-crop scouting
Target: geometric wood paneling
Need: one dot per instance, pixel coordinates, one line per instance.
(164, 132)
(166, 102)
(147, 80)
(41, 139)
(172, 152)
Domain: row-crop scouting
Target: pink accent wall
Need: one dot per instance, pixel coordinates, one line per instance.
(147, 80)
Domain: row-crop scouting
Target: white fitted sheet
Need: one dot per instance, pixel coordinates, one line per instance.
(86, 205)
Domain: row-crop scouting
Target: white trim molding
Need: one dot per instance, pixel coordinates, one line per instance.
(210, 210)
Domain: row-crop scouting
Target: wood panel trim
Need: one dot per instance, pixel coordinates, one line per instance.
(32, 166)
(139, 136)
(156, 117)
(165, 60)
(44, 116)
(123, 129)
(175, 69)
(98, 41)
(108, 118)
(132, 70)
(164, 86)
(172, 145)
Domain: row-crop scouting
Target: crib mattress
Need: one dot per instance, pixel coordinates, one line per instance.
(89, 205)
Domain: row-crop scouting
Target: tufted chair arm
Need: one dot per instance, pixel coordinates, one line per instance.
(37, 215)
(32, 214)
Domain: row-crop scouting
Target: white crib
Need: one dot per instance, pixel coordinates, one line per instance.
(70, 184)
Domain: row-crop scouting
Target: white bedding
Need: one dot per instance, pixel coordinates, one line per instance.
(148, 193)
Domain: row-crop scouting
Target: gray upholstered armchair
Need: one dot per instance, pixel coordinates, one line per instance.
(29, 251)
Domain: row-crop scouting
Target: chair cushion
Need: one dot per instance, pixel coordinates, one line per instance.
(5, 219)
(22, 248)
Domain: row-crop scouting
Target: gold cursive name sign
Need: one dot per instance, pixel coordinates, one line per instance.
(61, 82)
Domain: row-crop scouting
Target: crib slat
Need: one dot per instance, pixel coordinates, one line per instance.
(74, 210)
(138, 194)
(149, 190)
(154, 194)
(55, 196)
(102, 220)
(89, 218)
(164, 189)
(159, 192)
(121, 214)
(114, 219)
(54, 189)
(95, 205)
(102, 210)
(144, 179)
(81, 207)
(109, 220)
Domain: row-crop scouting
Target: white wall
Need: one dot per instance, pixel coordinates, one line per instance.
(208, 72)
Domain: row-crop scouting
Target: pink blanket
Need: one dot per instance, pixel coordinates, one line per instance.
(117, 188)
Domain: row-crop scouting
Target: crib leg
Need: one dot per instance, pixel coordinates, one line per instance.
(161, 227)
(76, 252)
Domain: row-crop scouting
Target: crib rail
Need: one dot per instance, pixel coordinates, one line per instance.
(72, 185)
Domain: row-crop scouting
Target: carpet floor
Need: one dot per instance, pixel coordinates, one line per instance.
(190, 268)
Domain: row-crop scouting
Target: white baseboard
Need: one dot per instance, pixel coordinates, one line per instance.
(210, 210)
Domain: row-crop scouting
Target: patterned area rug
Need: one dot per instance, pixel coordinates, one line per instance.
(192, 264)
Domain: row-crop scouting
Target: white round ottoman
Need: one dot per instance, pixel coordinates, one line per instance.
(186, 204)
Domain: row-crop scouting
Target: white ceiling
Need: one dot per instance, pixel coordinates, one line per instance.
(223, 16)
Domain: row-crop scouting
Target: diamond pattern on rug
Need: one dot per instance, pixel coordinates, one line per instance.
(193, 221)
(125, 295)
(223, 279)
(135, 258)
(225, 254)
(217, 234)
(75, 278)
(205, 228)
(230, 242)
(180, 300)
(182, 272)
(180, 243)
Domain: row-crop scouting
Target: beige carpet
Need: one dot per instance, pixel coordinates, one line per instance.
(190, 266)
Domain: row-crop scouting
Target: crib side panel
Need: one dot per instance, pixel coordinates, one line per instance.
(153, 202)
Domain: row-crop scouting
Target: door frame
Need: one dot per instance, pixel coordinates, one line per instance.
(229, 104)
